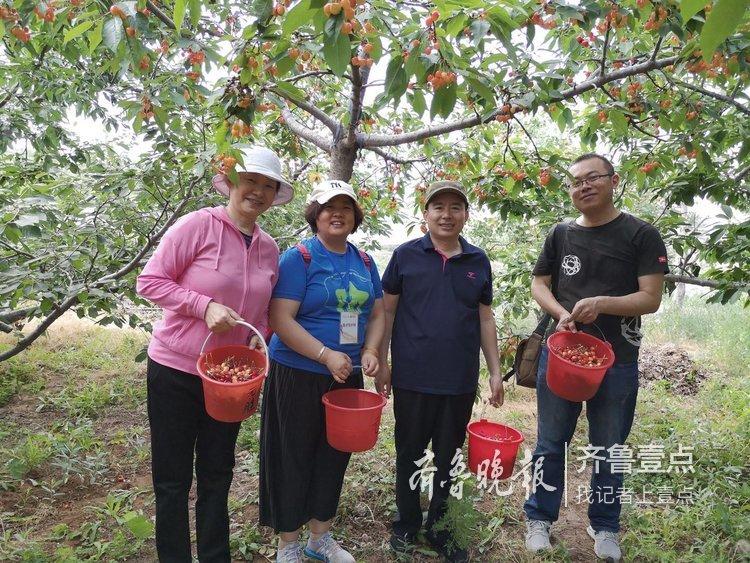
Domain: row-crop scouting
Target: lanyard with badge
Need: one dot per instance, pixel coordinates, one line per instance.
(348, 320)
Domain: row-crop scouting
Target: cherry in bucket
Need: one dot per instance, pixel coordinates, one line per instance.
(232, 370)
(581, 355)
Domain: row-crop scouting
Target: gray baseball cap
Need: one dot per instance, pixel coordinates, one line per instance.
(445, 186)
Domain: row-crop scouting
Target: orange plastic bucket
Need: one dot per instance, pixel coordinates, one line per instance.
(232, 402)
(352, 419)
(492, 444)
(571, 381)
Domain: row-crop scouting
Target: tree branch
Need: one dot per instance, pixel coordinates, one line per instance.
(38, 331)
(359, 78)
(152, 241)
(170, 24)
(73, 297)
(603, 62)
(367, 141)
(303, 132)
(652, 58)
(705, 283)
(13, 316)
(742, 174)
(395, 159)
(711, 94)
(8, 96)
(318, 114)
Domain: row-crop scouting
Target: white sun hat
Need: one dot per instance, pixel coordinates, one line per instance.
(261, 161)
(328, 189)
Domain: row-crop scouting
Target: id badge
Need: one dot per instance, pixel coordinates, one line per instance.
(349, 328)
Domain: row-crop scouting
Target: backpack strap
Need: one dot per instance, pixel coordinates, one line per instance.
(306, 256)
(365, 258)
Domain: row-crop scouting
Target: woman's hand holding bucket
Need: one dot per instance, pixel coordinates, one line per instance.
(338, 363)
(220, 318)
(370, 363)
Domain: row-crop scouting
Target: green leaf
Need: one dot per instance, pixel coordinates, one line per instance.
(418, 102)
(688, 8)
(720, 23)
(113, 33)
(140, 526)
(195, 11)
(95, 36)
(178, 14)
(483, 90)
(261, 9)
(619, 123)
(298, 16)
(443, 101)
(456, 25)
(12, 233)
(336, 52)
(396, 80)
(77, 31)
(291, 90)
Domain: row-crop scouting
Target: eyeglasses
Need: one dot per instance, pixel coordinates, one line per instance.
(579, 183)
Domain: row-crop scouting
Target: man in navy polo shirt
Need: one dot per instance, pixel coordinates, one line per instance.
(437, 297)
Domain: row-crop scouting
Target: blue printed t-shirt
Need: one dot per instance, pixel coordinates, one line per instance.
(436, 332)
(321, 288)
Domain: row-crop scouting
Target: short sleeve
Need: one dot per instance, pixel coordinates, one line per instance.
(292, 280)
(545, 264)
(392, 277)
(377, 286)
(651, 251)
(486, 296)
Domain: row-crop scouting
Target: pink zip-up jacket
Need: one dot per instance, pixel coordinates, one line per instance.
(203, 258)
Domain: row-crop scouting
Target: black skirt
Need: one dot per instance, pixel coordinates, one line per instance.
(300, 474)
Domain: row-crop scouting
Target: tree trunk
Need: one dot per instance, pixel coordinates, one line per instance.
(679, 295)
(342, 162)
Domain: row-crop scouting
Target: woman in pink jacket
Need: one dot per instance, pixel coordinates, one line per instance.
(214, 267)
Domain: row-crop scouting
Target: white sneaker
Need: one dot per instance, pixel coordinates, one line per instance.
(327, 549)
(290, 553)
(606, 545)
(537, 535)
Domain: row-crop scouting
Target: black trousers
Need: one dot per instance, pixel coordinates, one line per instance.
(180, 427)
(301, 475)
(421, 418)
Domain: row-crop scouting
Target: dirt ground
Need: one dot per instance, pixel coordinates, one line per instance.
(367, 504)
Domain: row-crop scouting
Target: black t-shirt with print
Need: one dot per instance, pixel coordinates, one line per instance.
(604, 260)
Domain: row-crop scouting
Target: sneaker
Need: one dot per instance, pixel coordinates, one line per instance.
(442, 544)
(290, 553)
(403, 543)
(537, 535)
(327, 549)
(606, 545)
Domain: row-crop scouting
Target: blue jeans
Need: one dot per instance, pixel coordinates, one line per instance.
(610, 415)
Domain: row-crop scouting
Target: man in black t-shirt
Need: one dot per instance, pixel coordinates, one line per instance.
(597, 274)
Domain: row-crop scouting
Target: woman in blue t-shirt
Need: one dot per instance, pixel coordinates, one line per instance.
(328, 320)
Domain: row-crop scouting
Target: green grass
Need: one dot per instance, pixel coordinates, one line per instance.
(719, 335)
(74, 425)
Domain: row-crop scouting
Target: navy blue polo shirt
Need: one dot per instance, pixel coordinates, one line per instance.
(435, 342)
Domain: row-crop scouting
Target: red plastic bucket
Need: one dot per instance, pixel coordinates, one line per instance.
(571, 381)
(232, 402)
(352, 419)
(493, 447)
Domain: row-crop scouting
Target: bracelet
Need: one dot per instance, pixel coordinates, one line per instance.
(371, 350)
(320, 354)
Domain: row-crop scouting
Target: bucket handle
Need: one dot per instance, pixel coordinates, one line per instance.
(604, 338)
(256, 331)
